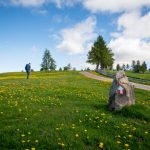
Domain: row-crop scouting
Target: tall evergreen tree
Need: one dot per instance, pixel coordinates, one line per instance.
(48, 63)
(127, 66)
(100, 54)
(138, 66)
(133, 65)
(124, 67)
(118, 67)
(143, 67)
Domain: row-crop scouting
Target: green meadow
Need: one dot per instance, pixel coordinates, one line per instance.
(132, 74)
(65, 110)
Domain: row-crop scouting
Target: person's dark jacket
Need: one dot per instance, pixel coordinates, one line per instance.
(28, 68)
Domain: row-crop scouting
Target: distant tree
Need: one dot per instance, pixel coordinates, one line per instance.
(32, 70)
(138, 66)
(100, 54)
(60, 69)
(143, 67)
(74, 69)
(68, 67)
(48, 63)
(133, 65)
(124, 67)
(88, 69)
(118, 67)
(127, 66)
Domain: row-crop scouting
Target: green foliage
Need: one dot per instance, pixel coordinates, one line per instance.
(127, 66)
(68, 67)
(48, 63)
(65, 110)
(137, 67)
(100, 54)
(118, 67)
(60, 69)
(143, 67)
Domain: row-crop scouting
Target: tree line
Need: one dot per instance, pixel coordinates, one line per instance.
(99, 54)
(136, 66)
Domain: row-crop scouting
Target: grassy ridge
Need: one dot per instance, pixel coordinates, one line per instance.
(65, 110)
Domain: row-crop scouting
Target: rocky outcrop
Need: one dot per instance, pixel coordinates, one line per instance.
(121, 92)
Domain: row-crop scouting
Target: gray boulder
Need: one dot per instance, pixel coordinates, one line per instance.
(121, 92)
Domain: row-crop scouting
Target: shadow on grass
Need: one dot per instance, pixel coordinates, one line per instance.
(134, 112)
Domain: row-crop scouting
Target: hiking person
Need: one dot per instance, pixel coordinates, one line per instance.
(28, 69)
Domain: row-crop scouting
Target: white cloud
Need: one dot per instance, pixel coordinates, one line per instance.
(61, 3)
(42, 12)
(27, 3)
(131, 41)
(75, 40)
(128, 49)
(134, 25)
(114, 5)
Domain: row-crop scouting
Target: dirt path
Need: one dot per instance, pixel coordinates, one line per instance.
(137, 85)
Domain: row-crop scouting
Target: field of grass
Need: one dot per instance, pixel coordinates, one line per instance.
(145, 75)
(65, 110)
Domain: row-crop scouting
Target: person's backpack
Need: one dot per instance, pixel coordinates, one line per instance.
(26, 67)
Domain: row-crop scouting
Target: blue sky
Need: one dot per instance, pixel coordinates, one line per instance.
(68, 28)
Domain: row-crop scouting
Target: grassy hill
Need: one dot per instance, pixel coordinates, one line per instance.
(65, 110)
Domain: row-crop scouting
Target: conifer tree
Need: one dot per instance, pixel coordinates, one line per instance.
(48, 63)
(100, 54)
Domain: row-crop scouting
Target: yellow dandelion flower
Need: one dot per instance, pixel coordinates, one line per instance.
(130, 135)
(134, 128)
(103, 114)
(62, 144)
(126, 145)
(36, 141)
(22, 135)
(101, 145)
(33, 148)
(23, 141)
(57, 129)
(118, 142)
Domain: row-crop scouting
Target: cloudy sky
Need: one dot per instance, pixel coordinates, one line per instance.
(68, 28)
